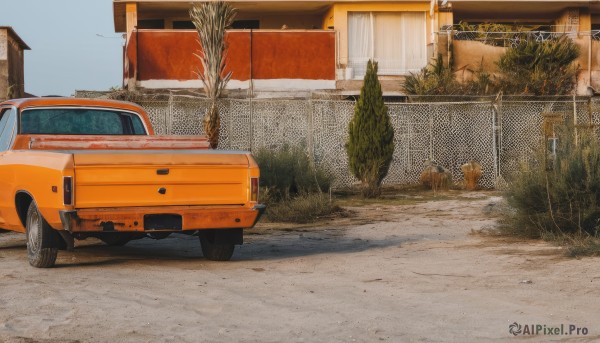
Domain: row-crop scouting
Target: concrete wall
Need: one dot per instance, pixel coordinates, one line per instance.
(470, 56)
(4, 66)
(273, 60)
(595, 62)
(16, 74)
(12, 78)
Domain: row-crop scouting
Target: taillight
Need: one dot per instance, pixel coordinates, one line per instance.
(68, 190)
(254, 189)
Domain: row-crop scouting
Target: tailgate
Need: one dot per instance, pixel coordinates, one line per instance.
(160, 178)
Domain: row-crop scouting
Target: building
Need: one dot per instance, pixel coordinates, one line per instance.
(324, 45)
(12, 73)
(280, 45)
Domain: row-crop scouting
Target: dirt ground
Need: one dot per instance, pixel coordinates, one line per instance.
(398, 272)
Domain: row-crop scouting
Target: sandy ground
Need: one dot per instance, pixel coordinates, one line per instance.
(395, 273)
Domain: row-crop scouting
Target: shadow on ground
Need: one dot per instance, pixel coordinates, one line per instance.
(183, 248)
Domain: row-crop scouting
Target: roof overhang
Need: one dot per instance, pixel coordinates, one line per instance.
(150, 8)
(531, 10)
(16, 37)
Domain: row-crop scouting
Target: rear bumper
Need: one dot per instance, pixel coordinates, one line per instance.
(132, 219)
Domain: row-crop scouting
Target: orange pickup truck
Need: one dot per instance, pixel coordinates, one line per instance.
(77, 168)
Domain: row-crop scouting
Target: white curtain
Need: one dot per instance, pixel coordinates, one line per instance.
(360, 41)
(414, 38)
(398, 41)
(389, 42)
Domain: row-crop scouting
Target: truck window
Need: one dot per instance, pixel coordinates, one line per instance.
(7, 126)
(3, 118)
(77, 121)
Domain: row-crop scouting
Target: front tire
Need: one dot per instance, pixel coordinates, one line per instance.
(216, 252)
(41, 247)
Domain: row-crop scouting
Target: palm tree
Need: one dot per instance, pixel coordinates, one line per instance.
(211, 19)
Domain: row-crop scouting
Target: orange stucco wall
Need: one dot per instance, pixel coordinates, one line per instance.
(170, 55)
(308, 55)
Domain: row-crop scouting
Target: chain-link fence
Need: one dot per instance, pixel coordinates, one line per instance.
(510, 35)
(497, 133)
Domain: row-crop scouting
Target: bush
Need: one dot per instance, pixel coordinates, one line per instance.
(559, 196)
(434, 79)
(289, 172)
(437, 79)
(292, 186)
(529, 68)
(539, 68)
(370, 144)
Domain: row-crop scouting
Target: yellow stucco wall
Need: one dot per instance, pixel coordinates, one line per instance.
(328, 18)
(337, 16)
(583, 17)
(445, 18)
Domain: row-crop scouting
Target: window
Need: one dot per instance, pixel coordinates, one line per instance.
(245, 24)
(3, 118)
(75, 121)
(183, 25)
(151, 24)
(7, 128)
(397, 41)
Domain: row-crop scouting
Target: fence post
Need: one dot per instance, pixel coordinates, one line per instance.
(494, 141)
(310, 136)
(431, 133)
(229, 123)
(169, 114)
(497, 132)
(575, 119)
(251, 135)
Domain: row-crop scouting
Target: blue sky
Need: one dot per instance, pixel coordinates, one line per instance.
(66, 52)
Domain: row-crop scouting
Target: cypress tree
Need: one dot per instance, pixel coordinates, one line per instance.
(370, 144)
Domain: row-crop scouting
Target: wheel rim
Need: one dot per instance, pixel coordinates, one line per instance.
(33, 229)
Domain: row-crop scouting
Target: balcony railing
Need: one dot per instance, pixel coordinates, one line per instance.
(168, 58)
(507, 35)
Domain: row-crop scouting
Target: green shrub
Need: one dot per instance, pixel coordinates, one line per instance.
(292, 186)
(530, 68)
(480, 83)
(434, 79)
(559, 196)
(539, 68)
(289, 172)
(437, 79)
(370, 144)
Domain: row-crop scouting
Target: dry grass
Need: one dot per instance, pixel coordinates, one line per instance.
(301, 209)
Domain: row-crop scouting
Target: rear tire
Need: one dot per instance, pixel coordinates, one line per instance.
(216, 252)
(41, 239)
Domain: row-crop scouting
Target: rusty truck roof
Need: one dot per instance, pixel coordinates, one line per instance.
(49, 101)
(80, 102)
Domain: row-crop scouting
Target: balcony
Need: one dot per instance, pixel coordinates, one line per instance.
(261, 60)
(480, 50)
